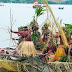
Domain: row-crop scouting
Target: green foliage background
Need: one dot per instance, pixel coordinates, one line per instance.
(18, 1)
(31, 1)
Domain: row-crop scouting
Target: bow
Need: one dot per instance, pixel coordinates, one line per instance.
(11, 27)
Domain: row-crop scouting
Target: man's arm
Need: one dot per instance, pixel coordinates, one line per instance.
(14, 31)
(14, 39)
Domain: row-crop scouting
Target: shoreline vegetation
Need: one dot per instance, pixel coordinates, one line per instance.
(31, 1)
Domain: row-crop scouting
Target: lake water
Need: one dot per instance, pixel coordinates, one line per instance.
(23, 15)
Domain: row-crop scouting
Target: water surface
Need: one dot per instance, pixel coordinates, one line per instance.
(23, 15)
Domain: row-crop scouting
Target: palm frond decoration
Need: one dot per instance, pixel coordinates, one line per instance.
(68, 27)
(39, 11)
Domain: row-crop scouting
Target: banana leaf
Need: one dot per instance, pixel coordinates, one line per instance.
(68, 25)
(39, 11)
(68, 28)
(64, 59)
(45, 46)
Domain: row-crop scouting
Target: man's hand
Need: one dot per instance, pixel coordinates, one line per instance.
(13, 39)
(11, 30)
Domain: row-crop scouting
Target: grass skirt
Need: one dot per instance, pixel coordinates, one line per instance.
(26, 48)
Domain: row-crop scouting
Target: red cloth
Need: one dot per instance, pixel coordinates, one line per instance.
(26, 35)
(44, 40)
(39, 5)
(35, 2)
(50, 52)
(14, 31)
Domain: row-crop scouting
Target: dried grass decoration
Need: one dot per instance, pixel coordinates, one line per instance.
(26, 48)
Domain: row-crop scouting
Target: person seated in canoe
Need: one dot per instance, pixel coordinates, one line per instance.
(45, 32)
(59, 39)
(51, 46)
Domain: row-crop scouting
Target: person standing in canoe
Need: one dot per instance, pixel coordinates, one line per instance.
(25, 46)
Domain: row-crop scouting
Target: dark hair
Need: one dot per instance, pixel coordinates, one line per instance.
(25, 27)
